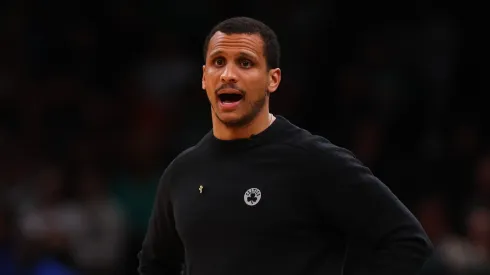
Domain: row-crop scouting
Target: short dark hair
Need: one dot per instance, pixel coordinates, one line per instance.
(241, 25)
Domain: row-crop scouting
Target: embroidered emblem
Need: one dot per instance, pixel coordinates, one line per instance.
(252, 196)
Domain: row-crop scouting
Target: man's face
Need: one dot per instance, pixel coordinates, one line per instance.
(236, 78)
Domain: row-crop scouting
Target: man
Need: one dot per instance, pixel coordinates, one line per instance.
(259, 195)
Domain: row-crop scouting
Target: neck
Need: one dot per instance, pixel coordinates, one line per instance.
(261, 122)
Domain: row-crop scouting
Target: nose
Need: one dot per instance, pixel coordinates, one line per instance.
(229, 75)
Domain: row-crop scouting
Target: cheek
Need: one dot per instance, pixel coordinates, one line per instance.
(259, 87)
(210, 92)
(258, 84)
(210, 83)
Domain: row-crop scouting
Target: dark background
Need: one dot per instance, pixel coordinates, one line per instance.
(97, 98)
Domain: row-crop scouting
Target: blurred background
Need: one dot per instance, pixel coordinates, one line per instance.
(97, 98)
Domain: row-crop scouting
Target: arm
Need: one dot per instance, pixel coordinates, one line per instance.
(162, 251)
(361, 206)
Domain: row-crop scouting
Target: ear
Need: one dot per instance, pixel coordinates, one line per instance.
(203, 81)
(274, 79)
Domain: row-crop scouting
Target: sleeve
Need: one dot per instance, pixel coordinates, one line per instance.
(360, 205)
(162, 250)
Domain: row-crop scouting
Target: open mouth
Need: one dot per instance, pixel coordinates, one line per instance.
(230, 98)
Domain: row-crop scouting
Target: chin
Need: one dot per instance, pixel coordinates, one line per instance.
(234, 120)
(231, 119)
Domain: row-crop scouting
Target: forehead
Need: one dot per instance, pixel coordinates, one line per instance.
(236, 43)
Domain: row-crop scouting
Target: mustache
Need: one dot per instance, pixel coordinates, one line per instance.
(230, 86)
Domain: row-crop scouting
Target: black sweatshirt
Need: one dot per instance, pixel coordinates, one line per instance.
(283, 202)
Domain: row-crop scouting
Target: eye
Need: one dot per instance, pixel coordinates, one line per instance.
(219, 62)
(245, 63)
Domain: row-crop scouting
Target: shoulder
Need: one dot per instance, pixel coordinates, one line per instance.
(320, 150)
(333, 163)
(189, 155)
(315, 145)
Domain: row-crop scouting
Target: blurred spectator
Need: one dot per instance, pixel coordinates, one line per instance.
(135, 183)
(432, 213)
(99, 245)
(8, 255)
(368, 138)
(21, 256)
(470, 255)
(481, 194)
(51, 221)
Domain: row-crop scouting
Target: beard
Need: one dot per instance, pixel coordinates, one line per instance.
(254, 109)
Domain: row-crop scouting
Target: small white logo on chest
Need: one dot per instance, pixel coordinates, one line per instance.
(252, 196)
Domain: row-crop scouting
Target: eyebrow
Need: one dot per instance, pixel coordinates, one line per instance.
(247, 55)
(241, 54)
(215, 53)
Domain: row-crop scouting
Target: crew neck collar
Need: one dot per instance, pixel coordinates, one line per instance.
(268, 135)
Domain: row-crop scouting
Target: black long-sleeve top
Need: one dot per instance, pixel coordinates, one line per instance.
(284, 202)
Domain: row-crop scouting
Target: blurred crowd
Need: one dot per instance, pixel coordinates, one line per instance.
(96, 100)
